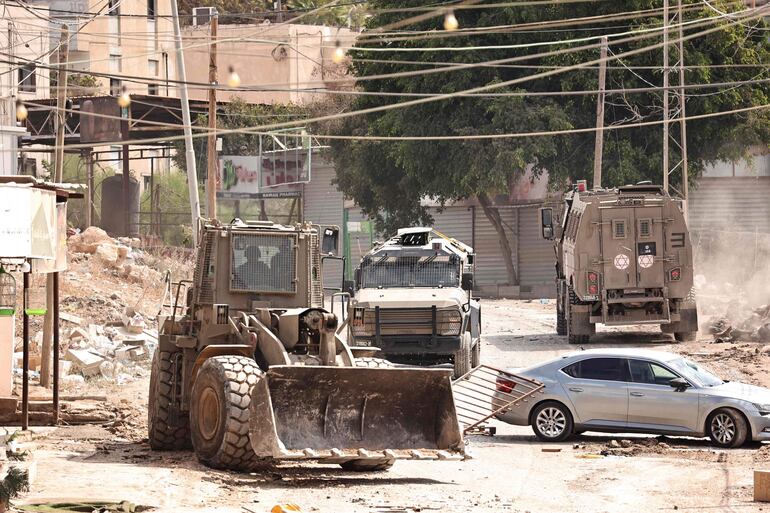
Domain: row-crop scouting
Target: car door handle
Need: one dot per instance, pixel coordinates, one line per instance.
(575, 389)
(637, 394)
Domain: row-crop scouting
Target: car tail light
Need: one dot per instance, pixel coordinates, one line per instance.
(675, 274)
(504, 385)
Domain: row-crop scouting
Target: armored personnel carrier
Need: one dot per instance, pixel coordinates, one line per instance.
(623, 257)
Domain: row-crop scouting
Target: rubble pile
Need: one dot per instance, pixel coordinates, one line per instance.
(753, 326)
(122, 254)
(119, 351)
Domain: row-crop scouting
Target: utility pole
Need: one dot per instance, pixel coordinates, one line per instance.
(61, 99)
(211, 177)
(46, 352)
(189, 154)
(666, 21)
(279, 7)
(682, 113)
(599, 145)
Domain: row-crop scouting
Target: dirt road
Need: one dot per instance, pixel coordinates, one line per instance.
(509, 472)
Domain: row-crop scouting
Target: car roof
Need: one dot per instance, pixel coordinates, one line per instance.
(662, 356)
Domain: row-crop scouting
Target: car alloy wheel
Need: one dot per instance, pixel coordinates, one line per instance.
(723, 428)
(551, 422)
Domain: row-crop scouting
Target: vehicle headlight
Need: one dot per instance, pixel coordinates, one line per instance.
(359, 325)
(764, 409)
(449, 322)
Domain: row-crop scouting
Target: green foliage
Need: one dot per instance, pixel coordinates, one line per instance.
(172, 210)
(388, 179)
(15, 482)
(345, 15)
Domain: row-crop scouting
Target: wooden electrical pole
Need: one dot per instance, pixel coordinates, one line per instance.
(46, 352)
(682, 113)
(599, 145)
(666, 21)
(211, 176)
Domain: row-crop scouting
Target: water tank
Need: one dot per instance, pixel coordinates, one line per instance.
(113, 214)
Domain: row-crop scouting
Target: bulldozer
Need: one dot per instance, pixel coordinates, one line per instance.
(250, 369)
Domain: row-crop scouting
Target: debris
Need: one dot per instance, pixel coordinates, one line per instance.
(614, 444)
(74, 319)
(550, 449)
(86, 361)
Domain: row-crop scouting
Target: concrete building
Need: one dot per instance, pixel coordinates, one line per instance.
(288, 63)
(23, 38)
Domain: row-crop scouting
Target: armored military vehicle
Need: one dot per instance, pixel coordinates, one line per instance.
(413, 301)
(623, 257)
(250, 368)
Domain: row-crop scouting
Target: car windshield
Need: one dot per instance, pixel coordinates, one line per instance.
(695, 372)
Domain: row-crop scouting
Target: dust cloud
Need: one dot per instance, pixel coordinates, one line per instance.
(732, 278)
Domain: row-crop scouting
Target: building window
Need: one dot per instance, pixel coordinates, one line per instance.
(151, 8)
(153, 68)
(116, 86)
(27, 79)
(645, 228)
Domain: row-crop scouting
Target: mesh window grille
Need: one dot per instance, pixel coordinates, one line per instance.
(264, 263)
(395, 271)
(644, 228)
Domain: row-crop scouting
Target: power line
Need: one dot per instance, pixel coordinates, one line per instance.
(382, 108)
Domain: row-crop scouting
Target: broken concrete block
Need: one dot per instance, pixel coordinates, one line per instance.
(108, 255)
(87, 362)
(79, 334)
(74, 319)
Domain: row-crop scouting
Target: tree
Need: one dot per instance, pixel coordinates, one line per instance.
(389, 179)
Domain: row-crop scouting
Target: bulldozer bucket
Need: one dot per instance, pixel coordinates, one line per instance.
(338, 414)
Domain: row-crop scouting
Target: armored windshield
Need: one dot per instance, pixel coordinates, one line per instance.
(389, 271)
(263, 263)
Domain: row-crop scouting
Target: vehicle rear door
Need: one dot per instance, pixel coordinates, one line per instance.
(653, 404)
(598, 391)
(649, 247)
(618, 251)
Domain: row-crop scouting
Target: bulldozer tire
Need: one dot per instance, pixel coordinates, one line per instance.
(374, 363)
(219, 413)
(476, 354)
(686, 336)
(462, 360)
(164, 435)
(367, 465)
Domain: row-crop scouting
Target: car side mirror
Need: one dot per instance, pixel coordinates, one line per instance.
(330, 240)
(679, 383)
(467, 281)
(546, 223)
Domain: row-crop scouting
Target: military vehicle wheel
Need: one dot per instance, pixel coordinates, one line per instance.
(374, 363)
(561, 318)
(165, 434)
(476, 354)
(368, 465)
(685, 336)
(572, 338)
(219, 412)
(462, 361)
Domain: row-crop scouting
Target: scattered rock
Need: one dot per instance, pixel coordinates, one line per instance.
(614, 444)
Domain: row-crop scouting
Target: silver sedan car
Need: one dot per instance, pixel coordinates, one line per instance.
(636, 390)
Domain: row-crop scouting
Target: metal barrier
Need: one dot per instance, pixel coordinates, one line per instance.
(486, 391)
